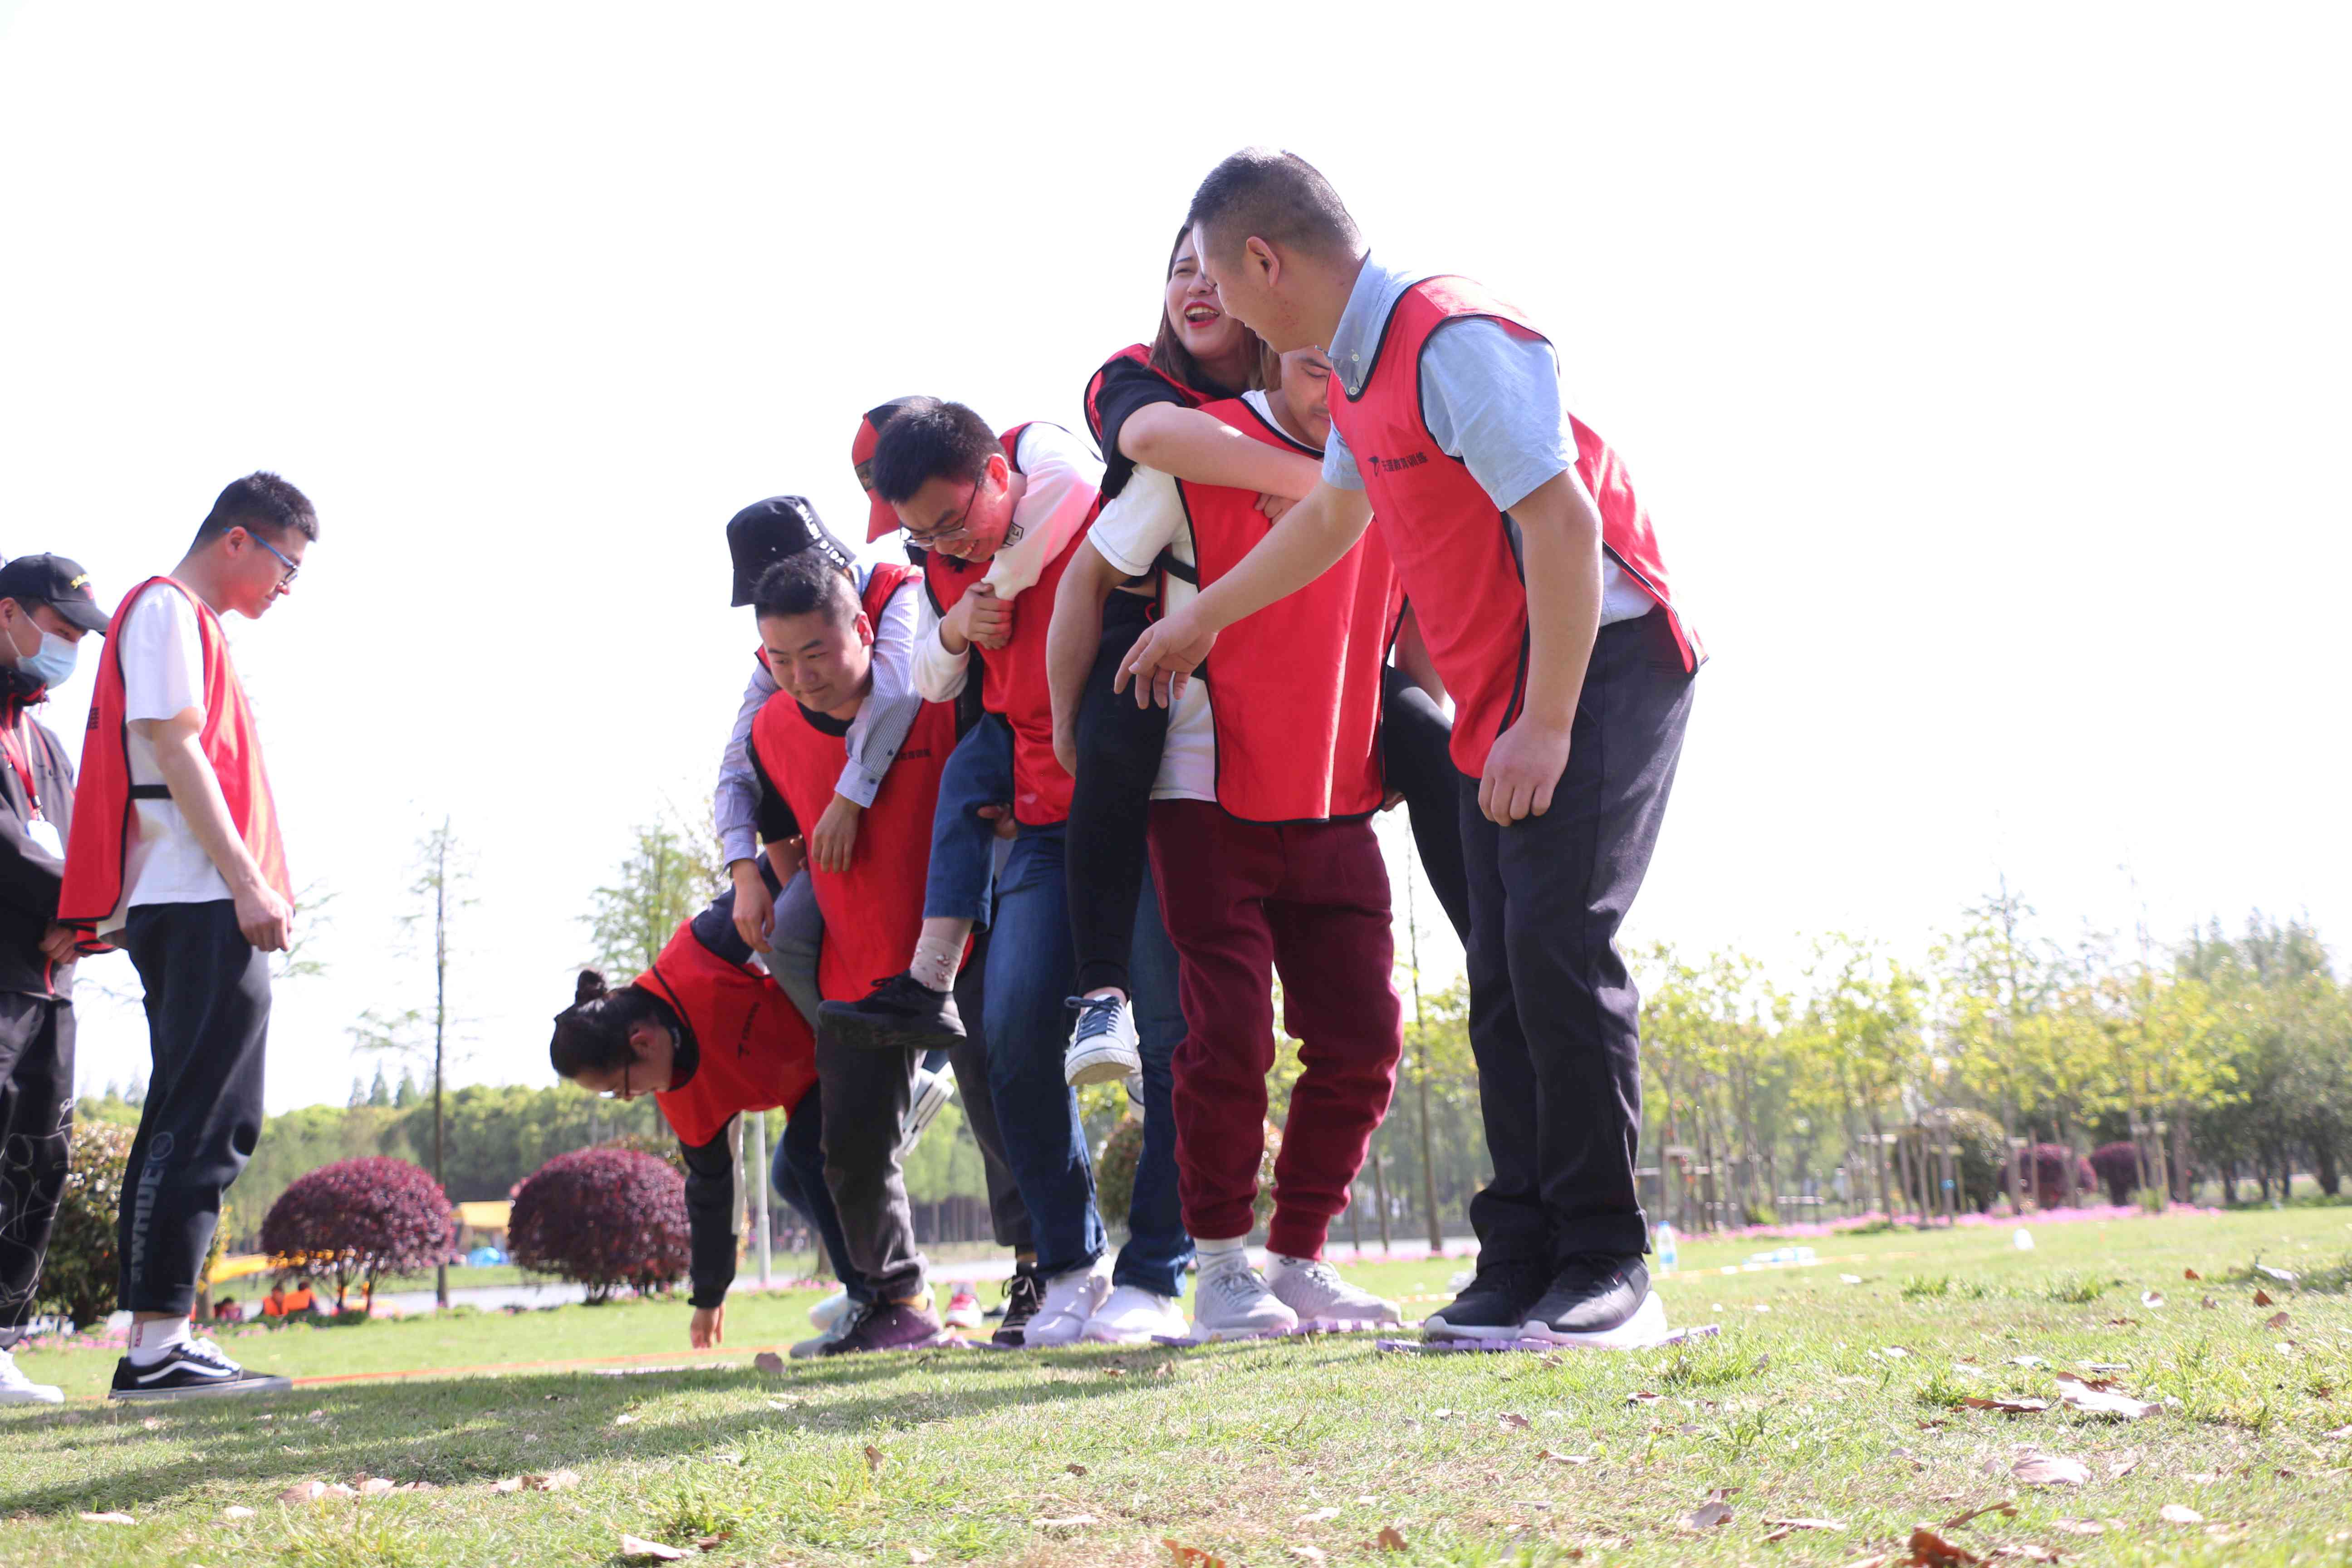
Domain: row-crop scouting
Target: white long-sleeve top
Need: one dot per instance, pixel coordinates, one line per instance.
(1062, 478)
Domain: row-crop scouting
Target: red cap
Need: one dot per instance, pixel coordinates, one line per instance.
(881, 517)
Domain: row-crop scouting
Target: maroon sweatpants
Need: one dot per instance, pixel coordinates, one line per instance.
(1243, 902)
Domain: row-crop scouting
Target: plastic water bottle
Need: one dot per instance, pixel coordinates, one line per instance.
(1667, 1251)
(2024, 1239)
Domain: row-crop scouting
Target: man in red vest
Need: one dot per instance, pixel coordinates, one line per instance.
(175, 856)
(1538, 584)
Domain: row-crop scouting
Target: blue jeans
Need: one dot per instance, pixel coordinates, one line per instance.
(798, 1173)
(1031, 962)
(964, 844)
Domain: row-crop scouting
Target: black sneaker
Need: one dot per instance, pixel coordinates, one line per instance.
(192, 1371)
(1590, 1294)
(1494, 1306)
(888, 1326)
(900, 1014)
(1023, 1294)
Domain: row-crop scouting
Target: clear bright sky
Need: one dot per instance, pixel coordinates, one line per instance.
(1984, 370)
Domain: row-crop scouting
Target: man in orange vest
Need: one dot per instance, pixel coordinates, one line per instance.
(1539, 586)
(175, 856)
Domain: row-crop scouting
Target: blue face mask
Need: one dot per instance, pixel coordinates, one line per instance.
(51, 664)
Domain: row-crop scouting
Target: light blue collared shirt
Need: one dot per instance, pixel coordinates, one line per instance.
(1489, 398)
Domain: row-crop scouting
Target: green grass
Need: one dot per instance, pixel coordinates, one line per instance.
(1821, 1399)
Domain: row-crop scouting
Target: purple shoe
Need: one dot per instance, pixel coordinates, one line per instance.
(888, 1326)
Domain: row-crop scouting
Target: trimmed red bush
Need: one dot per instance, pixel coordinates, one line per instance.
(606, 1218)
(2047, 1164)
(357, 1220)
(2117, 1165)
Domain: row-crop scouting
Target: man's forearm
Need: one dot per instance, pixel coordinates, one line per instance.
(1294, 552)
(1559, 553)
(198, 793)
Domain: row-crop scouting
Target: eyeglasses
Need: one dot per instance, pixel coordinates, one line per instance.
(956, 530)
(622, 1092)
(284, 560)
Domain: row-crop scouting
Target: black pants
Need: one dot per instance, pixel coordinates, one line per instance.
(207, 1025)
(1554, 1017)
(1414, 735)
(864, 1096)
(1119, 747)
(37, 1070)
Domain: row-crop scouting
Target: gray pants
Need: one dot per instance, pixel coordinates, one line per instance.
(793, 941)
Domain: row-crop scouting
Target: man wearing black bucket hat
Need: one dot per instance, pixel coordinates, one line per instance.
(45, 609)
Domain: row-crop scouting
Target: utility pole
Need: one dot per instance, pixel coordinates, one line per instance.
(440, 1024)
(1420, 1067)
(758, 1177)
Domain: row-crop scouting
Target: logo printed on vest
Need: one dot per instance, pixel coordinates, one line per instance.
(1391, 465)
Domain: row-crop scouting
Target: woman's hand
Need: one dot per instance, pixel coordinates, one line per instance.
(709, 1330)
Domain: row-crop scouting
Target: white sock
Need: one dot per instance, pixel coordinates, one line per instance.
(936, 961)
(152, 1342)
(1223, 1254)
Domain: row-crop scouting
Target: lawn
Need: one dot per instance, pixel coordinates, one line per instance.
(1821, 1400)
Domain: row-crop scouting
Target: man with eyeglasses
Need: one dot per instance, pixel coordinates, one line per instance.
(175, 856)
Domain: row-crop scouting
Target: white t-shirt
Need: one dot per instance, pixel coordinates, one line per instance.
(163, 659)
(1146, 518)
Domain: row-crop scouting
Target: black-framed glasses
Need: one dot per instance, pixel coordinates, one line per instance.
(622, 1092)
(956, 530)
(292, 571)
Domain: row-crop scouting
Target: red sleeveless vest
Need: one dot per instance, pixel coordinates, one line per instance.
(754, 1049)
(1012, 678)
(1295, 689)
(1453, 551)
(873, 912)
(1142, 356)
(102, 826)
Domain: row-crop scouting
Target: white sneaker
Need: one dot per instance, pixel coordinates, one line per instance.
(932, 1090)
(1103, 1046)
(15, 1388)
(1071, 1300)
(830, 1310)
(833, 1328)
(1132, 1316)
(1313, 1288)
(1233, 1301)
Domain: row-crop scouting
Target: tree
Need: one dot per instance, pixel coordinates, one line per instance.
(671, 871)
(604, 1218)
(357, 1220)
(444, 872)
(379, 1093)
(81, 1272)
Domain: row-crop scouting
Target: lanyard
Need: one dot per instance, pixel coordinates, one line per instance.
(12, 742)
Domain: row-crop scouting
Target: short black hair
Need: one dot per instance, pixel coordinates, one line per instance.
(942, 440)
(800, 584)
(260, 502)
(1278, 196)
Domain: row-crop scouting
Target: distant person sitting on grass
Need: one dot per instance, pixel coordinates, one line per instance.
(273, 1306)
(228, 1310)
(301, 1300)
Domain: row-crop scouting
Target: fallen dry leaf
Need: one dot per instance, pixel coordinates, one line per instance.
(2278, 1320)
(2118, 1468)
(237, 1510)
(2280, 1275)
(1563, 1458)
(768, 1362)
(153, 1424)
(2095, 1399)
(1706, 1516)
(2049, 1470)
(637, 1546)
(2028, 1552)
(1976, 1513)
(1898, 1352)
(2079, 1526)
(2027, 1361)
(1307, 1553)
(1389, 1540)
(417, 1487)
(1114, 1371)
(303, 1491)
(2150, 1299)
(711, 1542)
(1643, 1398)
(1804, 1524)
(916, 1554)
(375, 1486)
(1516, 1421)
(561, 1481)
(2261, 1297)
(2210, 1304)
(1075, 1470)
(2340, 1432)
(1929, 1550)
(2009, 1405)
(107, 1519)
(2191, 1274)
(874, 1457)
(625, 1420)
(2175, 1513)
(512, 1484)
(1318, 1516)
(1075, 1522)
(1191, 1557)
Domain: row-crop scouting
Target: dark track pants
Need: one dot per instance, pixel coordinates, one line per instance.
(1119, 748)
(1416, 757)
(36, 1070)
(207, 1026)
(1554, 1017)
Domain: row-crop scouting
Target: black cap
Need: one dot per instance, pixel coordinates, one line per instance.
(58, 582)
(766, 532)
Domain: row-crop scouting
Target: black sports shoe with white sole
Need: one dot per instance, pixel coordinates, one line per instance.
(1023, 1294)
(899, 1014)
(1494, 1305)
(1590, 1294)
(196, 1370)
